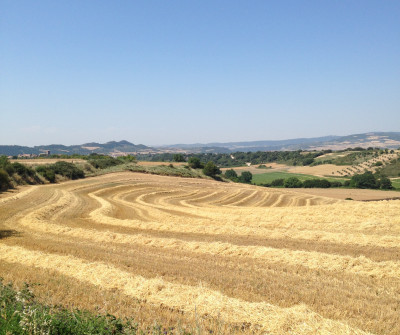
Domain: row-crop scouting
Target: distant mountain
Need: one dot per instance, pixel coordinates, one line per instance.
(84, 149)
(389, 140)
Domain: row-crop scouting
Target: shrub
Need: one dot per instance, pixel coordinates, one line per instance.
(64, 169)
(67, 169)
(103, 162)
(278, 182)
(293, 182)
(179, 158)
(195, 163)
(246, 177)
(211, 170)
(316, 183)
(365, 180)
(308, 161)
(385, 183)
(336, 184)
(4, 180)
(231, 174)
(23, 170)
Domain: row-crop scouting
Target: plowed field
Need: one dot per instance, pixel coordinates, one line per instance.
(228, 257)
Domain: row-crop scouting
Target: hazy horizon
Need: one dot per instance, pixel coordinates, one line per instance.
(161, 73)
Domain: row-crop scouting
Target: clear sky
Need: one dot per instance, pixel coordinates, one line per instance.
(164, 72)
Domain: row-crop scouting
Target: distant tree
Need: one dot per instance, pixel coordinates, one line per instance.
(246, 177)
(211, 170)
(385, 183)
(308, 161)
(179, 158)
(195, 163)
(231, 174)
(316, 183)
(293, 182)
(128, 159)
(278, 182)
(365, 180)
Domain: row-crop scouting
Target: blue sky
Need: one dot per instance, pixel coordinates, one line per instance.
(164, 72)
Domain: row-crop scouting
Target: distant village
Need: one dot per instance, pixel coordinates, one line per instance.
(45, 153)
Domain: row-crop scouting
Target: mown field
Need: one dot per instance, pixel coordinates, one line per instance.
(201, 255)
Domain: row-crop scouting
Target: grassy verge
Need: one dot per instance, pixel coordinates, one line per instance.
(22, 314)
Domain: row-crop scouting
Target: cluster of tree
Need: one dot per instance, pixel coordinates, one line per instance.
(65, 169)
(294, 182)
(245, 177)
(103, 161)
(372, 181)
(240, 158)
(365, 180)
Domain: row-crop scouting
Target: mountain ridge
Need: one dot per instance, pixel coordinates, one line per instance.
(390, 140)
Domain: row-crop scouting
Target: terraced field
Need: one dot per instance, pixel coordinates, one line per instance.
(196, 253)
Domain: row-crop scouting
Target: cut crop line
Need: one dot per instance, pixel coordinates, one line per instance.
(190, 299)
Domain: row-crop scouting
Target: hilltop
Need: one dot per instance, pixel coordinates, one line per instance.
(390, 140)
(112, 147)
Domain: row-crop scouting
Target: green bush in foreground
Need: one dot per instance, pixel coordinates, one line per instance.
(65, 169)
(5, 182)
(21, 314)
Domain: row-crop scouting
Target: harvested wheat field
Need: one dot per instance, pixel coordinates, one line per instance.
(196, 253)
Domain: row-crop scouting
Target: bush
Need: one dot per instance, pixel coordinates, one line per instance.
(4, 180)
(278, 182)
(246, 177)
(67, 169)
(103, 162)
(316, 183)
(179, 158)
(293, 182)
(385, 183)
(231, 174)
(195, 163)
(23, 170)
(64, 169)
(308, 161)
(365, 180)
(336, 184)
(211, 170)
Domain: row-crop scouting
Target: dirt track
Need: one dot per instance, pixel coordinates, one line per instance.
(265, 260)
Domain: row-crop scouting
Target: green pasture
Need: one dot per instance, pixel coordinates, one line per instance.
(395, 183)
(265, 178)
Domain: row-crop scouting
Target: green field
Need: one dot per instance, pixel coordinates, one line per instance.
(395, 183)
(265, 178)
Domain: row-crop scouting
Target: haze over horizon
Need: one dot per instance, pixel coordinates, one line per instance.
(160, 73)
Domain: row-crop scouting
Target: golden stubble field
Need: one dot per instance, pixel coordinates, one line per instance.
(206, 255)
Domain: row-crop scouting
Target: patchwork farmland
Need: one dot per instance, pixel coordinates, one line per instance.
(205, 255)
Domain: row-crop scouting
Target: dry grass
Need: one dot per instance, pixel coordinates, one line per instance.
(231, 257)
(46, 161)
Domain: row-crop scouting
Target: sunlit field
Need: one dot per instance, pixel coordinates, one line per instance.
(205, 255)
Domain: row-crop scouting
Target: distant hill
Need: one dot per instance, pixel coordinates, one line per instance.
(84, 149)
(389, 140)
